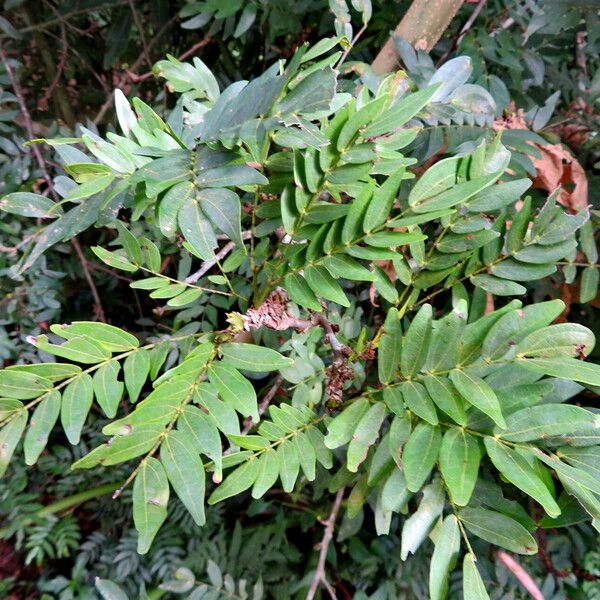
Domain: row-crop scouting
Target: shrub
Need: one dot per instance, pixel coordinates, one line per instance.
(334, 315)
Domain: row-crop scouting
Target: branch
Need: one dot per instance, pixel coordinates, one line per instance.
(320, 577)
(65, 17)
(209, 264)
(53, 72)
(521, 574)
(130, 75)
(422, 26)
(136, 65)
(140, 27)
(264, 404)
(463, 32)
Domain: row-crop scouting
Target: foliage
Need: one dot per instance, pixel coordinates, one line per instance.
(331, 261)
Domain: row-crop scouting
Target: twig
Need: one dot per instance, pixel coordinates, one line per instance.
(521, 574)
(264, 404)
(351, 46)
(509, 22)
(42, 164)
(320, 577)
(463, 32)
(109, 101)
(580, 55)
(130, 75)
(209, 264)
(63, 18)
(138, 78)
(98, 308)
(140, 27)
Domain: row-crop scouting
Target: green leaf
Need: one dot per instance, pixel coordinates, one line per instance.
(201, 429)
(562, 339)
(457, 194)
(130, 244)
(353, 227)
(185, 298)
(519, 271)
(76, 403)
(446, 397)
(70, 224)
(26, 204)
(478, 393)
(10, 434)
(567, 472)
(390, 344)
(79, 349)
(268, 472)
(51, 371)
(381, 204)
(314, 92)
(418, 401)
(385, 239)
(135, 369)
(169, 206)
(300, 292)
(342, 266)
(323, 284)
(289, 465)
(518, 227)
(361, 117)
(8, 407)
(236, 482)
(365, 435)
(230, 175)
(587, 459)
(113, 259)
(509, 328)
(588, 289)
(498, 529)
(564, 368)
(197, 230)
(473, 587)
(521, 474)
(417, 527)
(307, 455)
(40, 426)
(235, 389)
(185, 472)
(498, 286)
(443, 349)
(250, 357)
(400, 113)
(445, 555)
(109, 590)
(538, 254)
(249, 442)
(540, 422)
(223, 209)
(112, 338)
(415, 345)
(22, 385)
(420, 454)
(498, 196)
(399, 433)
(341, 428)
(384, 285)
(459, 464)
(150, 499)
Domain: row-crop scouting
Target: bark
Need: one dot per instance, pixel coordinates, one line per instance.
(422, 26)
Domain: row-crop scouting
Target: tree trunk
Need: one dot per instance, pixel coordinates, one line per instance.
(422, 26)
